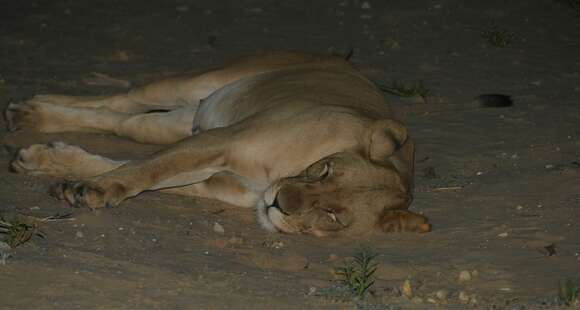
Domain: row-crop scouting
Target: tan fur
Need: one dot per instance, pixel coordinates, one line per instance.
(306, 139)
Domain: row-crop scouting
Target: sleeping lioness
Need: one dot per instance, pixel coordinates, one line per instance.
(305, 139)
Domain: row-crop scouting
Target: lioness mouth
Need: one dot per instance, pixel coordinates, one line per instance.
(276, 205)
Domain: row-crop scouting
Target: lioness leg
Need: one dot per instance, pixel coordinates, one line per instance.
(60, 113)
(191, 161)
(155, 128)
(61, 160)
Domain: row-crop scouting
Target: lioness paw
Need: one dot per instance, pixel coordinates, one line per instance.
(81, 194)
(404, 221)
(26, 115)
(56, 159)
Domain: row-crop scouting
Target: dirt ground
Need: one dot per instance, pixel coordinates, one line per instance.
(499, 185)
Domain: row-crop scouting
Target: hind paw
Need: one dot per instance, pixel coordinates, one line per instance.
(27, 115)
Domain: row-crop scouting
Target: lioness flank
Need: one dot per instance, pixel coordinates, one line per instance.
(305, 139)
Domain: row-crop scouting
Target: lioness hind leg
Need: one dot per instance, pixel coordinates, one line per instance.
(156, 128)
(62, 161)
(50, 118)
(404, 221)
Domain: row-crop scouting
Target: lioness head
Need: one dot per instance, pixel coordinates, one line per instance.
(351, 192)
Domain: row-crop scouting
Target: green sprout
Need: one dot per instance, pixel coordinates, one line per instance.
(17, 231)
(568, 292)
(358, 272)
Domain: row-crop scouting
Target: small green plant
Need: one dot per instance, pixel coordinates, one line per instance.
(406, 91)
(17, 231)
(358, 272)
(497, 37)
(568, 292)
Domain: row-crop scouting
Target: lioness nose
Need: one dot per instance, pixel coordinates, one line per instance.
(290, 199)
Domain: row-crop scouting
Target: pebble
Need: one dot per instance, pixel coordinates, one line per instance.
(463, 297)
(311, 290)
(79, 234)
(479, 173)
(332, 258)
(366, 5)
(218, 228)
(549, 166)
(417, 300)
(442, 295)
(464, 276)
(503, 234)
(406, 289)
(236, 240)
(519, 207)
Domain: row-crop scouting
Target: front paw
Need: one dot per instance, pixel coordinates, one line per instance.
(85, 194)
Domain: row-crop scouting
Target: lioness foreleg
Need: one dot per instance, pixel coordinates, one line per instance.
(191, 161)
(64, 161)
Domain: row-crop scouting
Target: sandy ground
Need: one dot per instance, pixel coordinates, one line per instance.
(514, 172)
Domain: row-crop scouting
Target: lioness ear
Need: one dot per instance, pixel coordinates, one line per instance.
(386, 136)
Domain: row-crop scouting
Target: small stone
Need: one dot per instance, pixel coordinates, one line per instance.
(120, 229)
(332, 258)
(432, 300)
(473, 300)
(5, 252)
(463, 297)
(549, 166)
(479, 173)
(218, 228)
(519, 207)
(442, 295)
(417, 300)
(79, 234)
(311, 290)
(236, 241)
(406, 289)
(503, 235)
(464, 276)
(366, 5)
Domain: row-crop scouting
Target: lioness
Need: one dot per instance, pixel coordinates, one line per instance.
(305, 139)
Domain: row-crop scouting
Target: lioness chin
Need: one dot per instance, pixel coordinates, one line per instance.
(305, 139)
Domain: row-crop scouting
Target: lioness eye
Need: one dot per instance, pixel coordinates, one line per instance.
(319, 171)
(331, 215)
(325, 171)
